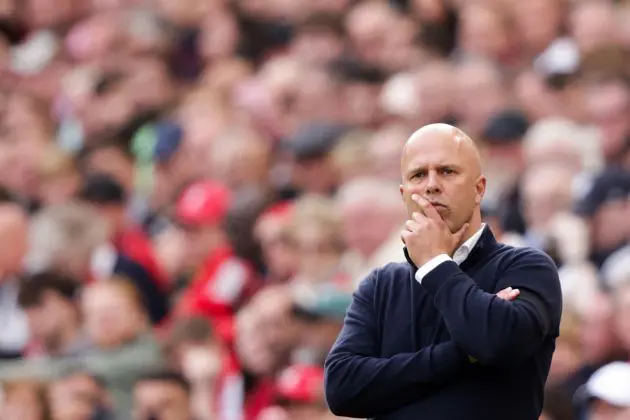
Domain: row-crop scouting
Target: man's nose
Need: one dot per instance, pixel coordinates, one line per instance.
(432, 185)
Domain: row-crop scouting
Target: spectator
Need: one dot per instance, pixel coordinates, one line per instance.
(73, 238)
(605, 395)
(124, 348)
(79, 395)
(50, 301)
(24, 400)
(162, 395)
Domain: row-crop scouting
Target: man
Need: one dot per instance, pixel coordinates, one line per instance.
(162, 395)
(221, 281)
(50, 300)
(109, 198)
(429, 338)
(606, 395)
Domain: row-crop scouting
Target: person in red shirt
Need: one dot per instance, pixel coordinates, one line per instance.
(221, 281)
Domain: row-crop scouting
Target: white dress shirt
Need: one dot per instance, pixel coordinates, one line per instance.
(459, 256)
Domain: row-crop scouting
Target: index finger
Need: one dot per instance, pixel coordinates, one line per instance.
(427, 208)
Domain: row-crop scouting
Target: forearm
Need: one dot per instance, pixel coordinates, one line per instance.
(362, 386)
(490, 329)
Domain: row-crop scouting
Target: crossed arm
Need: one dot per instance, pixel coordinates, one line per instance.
(485, 326)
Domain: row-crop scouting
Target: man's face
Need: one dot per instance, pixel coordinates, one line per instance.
(160, 399)
(439, 170)
(608, 107)
(74, 398)
(46, 321)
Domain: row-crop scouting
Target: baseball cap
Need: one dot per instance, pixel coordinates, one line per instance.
(507, 126)
(610, 383)
(168, 138)
(610, 185)
(314, 140)
(202, 203)
(300, 384)
(321, 303)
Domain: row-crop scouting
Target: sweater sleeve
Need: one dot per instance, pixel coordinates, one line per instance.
(360, 384)
(493, 330)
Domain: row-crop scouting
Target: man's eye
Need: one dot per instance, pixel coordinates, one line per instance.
(447, 171)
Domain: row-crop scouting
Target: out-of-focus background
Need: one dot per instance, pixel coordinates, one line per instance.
(192, 189)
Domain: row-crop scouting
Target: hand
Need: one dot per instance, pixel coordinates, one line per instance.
(508, 294)
(426, 236)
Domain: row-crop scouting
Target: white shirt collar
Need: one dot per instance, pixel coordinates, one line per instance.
(466, 248)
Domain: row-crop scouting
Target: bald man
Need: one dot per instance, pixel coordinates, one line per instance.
(466, 328)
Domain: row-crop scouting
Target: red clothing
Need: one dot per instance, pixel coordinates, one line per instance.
(232, 403)
(136, 245)
(219, 287)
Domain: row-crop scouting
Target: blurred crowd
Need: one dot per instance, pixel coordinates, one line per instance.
(192, 189)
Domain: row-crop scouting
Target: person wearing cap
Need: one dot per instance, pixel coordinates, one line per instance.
(221, 281)
(300, 391)
(606, 395)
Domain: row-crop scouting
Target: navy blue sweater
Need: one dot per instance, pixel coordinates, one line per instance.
(403, 352)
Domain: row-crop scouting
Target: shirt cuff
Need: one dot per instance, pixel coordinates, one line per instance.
(430, 266)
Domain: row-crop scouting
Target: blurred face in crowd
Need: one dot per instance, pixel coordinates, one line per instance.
(383, 219)
(200, 241)
(442, 166)
(219, 37)
(547, 192)
(483, 31)
(610, 225)
(44, 13)
(319, 252)
(275, 241)
(592, 24)
(386, 147)
(480, 93)
(608, 105)
(159, 399)
(622, 315)
(538, 23)
(315, 175)
(76, 397)
(24, 401)
(317, 45)
(112, 317)
(13, 230)
(114, 162)
(53, 321)
(599, 341)
(266, 331)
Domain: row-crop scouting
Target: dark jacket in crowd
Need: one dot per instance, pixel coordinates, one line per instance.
(449, 349)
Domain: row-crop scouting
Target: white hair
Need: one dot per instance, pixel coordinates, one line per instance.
(562, 133)
(63, 232)
(368, 190)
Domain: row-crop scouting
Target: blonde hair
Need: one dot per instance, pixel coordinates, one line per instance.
(320, 211)
(64, 232)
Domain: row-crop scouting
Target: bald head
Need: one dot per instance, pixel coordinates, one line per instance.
(442, 164)
(445, 135)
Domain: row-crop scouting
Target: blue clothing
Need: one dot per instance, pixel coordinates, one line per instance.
(405, 349)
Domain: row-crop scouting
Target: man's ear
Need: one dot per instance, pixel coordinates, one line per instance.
(402, 189)
(481, 189)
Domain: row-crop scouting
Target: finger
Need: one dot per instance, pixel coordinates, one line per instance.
(412, 225)
(428, 210)
(404, 236)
